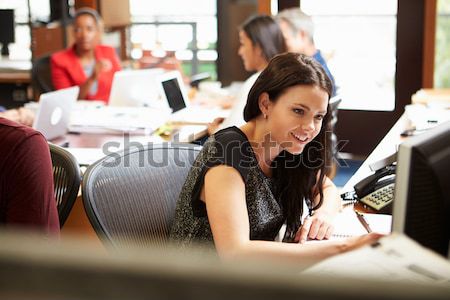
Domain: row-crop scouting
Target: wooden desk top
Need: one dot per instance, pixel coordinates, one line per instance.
(15, 77)
(15, 71)
(180, 133)
(93, 140)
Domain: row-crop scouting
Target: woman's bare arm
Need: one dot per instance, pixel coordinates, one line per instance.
(224, 195)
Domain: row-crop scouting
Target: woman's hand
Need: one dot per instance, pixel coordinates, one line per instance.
(101, 65)
(316, 227)
(214, 125)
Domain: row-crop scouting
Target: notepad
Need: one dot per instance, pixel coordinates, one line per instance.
(347, 224)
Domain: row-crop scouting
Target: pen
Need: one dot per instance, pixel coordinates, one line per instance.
(363, 221)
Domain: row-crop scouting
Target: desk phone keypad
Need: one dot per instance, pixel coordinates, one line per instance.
(379, 198)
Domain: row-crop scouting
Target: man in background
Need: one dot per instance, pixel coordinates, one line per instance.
(298, 32)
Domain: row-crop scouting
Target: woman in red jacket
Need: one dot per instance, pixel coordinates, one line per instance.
(86, 64)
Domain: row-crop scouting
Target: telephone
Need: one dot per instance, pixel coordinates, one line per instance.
(377, 190)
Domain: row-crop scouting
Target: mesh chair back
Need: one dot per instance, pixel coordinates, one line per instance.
(130, 196)
(66, 180)
(41, 75)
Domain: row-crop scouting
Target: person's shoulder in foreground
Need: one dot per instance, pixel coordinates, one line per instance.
(26, 180)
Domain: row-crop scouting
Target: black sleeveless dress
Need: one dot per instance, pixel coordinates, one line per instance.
(228, 147)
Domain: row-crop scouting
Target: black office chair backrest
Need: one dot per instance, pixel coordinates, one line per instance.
(130, 197)
(332, 140)
(66, 180)
(334, 105)
(41, 77)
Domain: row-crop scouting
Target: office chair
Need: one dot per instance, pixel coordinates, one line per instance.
(41, 78)
(332, 140)
(130, 196)
(66, 180)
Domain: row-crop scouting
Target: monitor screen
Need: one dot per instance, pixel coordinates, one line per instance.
(7, 26)
(422, 189)
(173, 94)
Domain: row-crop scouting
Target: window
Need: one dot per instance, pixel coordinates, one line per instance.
(357, 37)
(188, 28)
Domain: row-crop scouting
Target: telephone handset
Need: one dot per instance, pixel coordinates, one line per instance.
(377, 190)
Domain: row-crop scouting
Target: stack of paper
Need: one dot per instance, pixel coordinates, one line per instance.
(394, 258)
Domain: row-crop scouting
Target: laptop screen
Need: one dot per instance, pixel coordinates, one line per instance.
(173, 94)
(54, 111)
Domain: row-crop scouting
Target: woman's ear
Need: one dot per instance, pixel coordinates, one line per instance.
(264, 104)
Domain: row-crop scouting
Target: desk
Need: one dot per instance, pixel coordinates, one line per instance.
(385, 148)
(395, 257)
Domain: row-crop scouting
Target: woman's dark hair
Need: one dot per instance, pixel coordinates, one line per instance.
(297, 177)
(264, 32)
(89, 12)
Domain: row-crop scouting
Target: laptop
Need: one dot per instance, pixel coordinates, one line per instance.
(53, 113)
(135, 88)
(173, 91)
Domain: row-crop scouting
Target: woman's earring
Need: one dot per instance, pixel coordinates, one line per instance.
(265, 116)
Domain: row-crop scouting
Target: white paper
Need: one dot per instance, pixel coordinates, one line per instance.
(396, 258)
(86, 156)
(346, 224)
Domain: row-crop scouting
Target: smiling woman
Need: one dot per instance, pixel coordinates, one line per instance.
(246, 182)
(296, 118)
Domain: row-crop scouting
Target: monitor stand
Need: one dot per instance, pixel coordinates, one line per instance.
(5, 49)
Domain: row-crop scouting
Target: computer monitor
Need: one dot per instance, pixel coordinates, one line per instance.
(421, 207)
(173, 91)
(7, 35)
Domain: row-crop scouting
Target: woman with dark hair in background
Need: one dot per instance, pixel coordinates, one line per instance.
(86, 64)
(248, 181)
(260, 39)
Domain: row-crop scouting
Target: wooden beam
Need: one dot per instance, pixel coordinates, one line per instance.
(264, 7)
(429, 39)
(86, 3)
